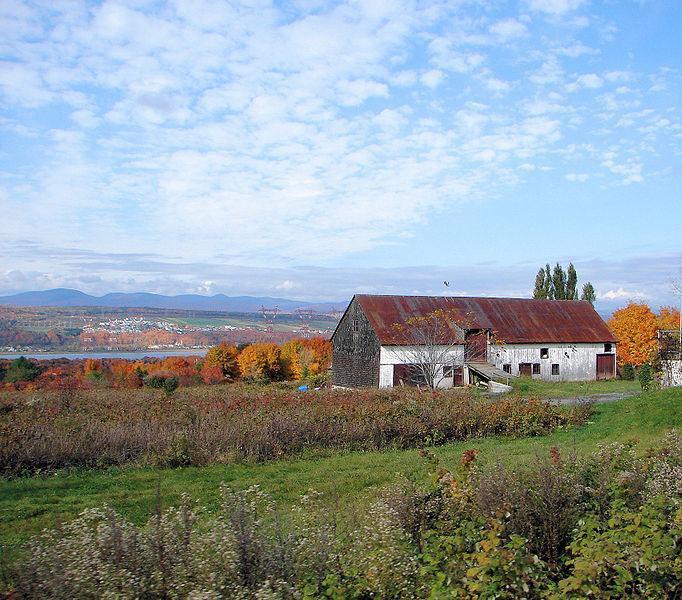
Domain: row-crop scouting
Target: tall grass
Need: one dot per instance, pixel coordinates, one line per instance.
(604, 526)
(44, 431)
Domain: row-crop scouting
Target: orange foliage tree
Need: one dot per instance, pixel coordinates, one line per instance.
(125, 374)
(302, 357)
(219, 363)
(260, 361)
(635, 327)
(322, 354)
(668, 318)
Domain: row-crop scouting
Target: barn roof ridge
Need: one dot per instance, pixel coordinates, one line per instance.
(513, 320)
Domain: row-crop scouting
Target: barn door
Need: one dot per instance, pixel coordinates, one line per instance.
(606, 366)
(525, 369)
(475, 346)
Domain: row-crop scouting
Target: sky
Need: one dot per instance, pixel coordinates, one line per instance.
(312, 150)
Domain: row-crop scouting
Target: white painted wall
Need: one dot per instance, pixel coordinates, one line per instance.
(401, 355)
(577, 362)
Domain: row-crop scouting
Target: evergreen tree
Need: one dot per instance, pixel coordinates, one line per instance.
(559, 282)
(571, 283)
(540, 291)
(588, 293)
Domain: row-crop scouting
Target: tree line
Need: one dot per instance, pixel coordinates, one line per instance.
(561, 284)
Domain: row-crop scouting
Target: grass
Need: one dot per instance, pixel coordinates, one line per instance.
(567, 389)
(30, 504)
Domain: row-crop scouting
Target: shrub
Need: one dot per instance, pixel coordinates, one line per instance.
(22, 369)
(627, 372)
(170, 384)
(464, 535)
(646, 376)
(256, 423)
(633, 554)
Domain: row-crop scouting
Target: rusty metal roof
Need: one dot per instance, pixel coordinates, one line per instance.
(511, 320)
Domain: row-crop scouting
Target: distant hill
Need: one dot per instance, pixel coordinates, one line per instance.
(221, 302)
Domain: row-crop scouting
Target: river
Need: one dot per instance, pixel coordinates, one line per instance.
(127, 355)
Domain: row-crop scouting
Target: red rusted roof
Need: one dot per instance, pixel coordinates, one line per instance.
(511, 320)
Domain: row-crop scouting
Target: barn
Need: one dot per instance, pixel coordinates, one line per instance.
(385, 341)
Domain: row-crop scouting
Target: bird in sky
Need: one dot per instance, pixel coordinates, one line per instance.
(446, 283)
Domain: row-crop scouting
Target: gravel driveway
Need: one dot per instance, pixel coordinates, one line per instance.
(598, 398)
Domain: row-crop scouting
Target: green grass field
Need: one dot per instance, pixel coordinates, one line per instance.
(566, 389)
(29, 504)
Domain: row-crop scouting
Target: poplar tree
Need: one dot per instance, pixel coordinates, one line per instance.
(588, 293)
(571, 283)
(540, 291)
(549, 284)
(559, 282)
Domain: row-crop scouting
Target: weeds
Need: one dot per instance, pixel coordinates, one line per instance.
(43, 431)
(534, 533)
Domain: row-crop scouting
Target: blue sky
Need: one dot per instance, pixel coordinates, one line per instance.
(312, 149)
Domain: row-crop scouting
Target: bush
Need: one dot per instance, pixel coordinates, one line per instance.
(22, 369)
(627, 372)
(467, 534)
(257, 423)
(170, 385)
(646, 376)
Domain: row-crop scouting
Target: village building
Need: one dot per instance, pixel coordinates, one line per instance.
(379, 341)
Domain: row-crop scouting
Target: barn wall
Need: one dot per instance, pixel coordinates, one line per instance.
(577, 362)
(405, 355)
(355, 360)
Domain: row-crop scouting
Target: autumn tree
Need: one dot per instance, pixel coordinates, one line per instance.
(260, 361)
(668, 318)
(322, 354)
(635, 327)
(222, 358)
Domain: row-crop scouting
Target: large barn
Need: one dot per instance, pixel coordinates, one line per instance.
(382, 340)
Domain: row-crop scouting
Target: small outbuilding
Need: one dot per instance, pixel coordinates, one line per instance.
(386, 341)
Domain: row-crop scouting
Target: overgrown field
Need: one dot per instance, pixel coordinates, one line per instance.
(43, 431)
(607, 525)
(347, 480)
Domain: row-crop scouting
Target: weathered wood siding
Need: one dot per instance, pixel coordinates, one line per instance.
(577, 362)
(355, 361)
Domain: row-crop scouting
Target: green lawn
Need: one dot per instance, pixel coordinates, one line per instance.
(29, 504)
(565, 389)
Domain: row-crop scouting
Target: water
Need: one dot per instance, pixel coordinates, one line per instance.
(127, 355)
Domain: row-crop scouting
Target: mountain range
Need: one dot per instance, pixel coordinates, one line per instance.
(219, 302)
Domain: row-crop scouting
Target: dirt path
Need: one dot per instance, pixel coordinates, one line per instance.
(598, 398)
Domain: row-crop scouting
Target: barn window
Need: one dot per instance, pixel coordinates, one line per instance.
(544, 352)
(607, 347)
(356, 325)
(536, 368)
(448, 371)
(555, 369)
(506, 368)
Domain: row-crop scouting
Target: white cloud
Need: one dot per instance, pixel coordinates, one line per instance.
(432, 78)
(622, 294)
(508, 29)
(581, 177)
(555, 7)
